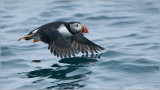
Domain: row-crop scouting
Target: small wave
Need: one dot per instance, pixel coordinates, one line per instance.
(113, 54)
(152, 10)
(144, 61)
(131, 35)
(63, 19)
(7, 65)
(139, 68)
(59, 2)
(4, 48)
(80, 15)
(125, 23)
(31, 22)
(152, 48)
(109, 63)
(16, 61)
(120, 66)
(64, 7)
(19, 30)
(48, 14)
(144, 37)
(5, 26)
(8, 16)
(139, 44)
(6, 51)
(102, 17)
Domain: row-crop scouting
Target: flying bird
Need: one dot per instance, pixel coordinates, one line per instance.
(65, 39)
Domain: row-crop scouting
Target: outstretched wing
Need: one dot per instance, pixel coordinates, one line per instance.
(83, 44)
(57, 43)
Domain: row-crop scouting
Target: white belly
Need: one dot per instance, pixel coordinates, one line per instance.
(64, 31)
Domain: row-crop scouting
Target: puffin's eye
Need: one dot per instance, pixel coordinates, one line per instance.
(76, 25)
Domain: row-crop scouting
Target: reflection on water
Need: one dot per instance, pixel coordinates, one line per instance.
(84, 59)
(73, 72)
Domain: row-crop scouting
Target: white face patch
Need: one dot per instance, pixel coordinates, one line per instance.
(75, 27)
(35, 31)
(64, 31)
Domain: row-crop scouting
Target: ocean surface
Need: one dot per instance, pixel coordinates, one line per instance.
(128, 30)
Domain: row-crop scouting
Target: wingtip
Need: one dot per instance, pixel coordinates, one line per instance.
(103, 48)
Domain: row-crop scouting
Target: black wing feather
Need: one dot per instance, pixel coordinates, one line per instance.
(57, 43)
(83, 44)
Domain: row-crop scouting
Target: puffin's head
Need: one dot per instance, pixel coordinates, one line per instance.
(78, 27)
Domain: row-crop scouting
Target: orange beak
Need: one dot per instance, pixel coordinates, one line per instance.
(84, 29)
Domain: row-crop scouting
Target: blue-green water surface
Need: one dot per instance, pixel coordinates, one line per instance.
(128, 30)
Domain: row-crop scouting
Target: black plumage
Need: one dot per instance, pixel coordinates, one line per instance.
(62, 45)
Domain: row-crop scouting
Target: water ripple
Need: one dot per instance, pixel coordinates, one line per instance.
(124, 23)
(102, 17)
(128, 67)
(152, 48)
(113, 54)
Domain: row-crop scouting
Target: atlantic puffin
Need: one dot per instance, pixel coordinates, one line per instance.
(65, 39)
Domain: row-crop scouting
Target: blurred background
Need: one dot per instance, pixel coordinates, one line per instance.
(128, 30)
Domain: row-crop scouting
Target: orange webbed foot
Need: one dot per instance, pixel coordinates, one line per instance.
(35, 41)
